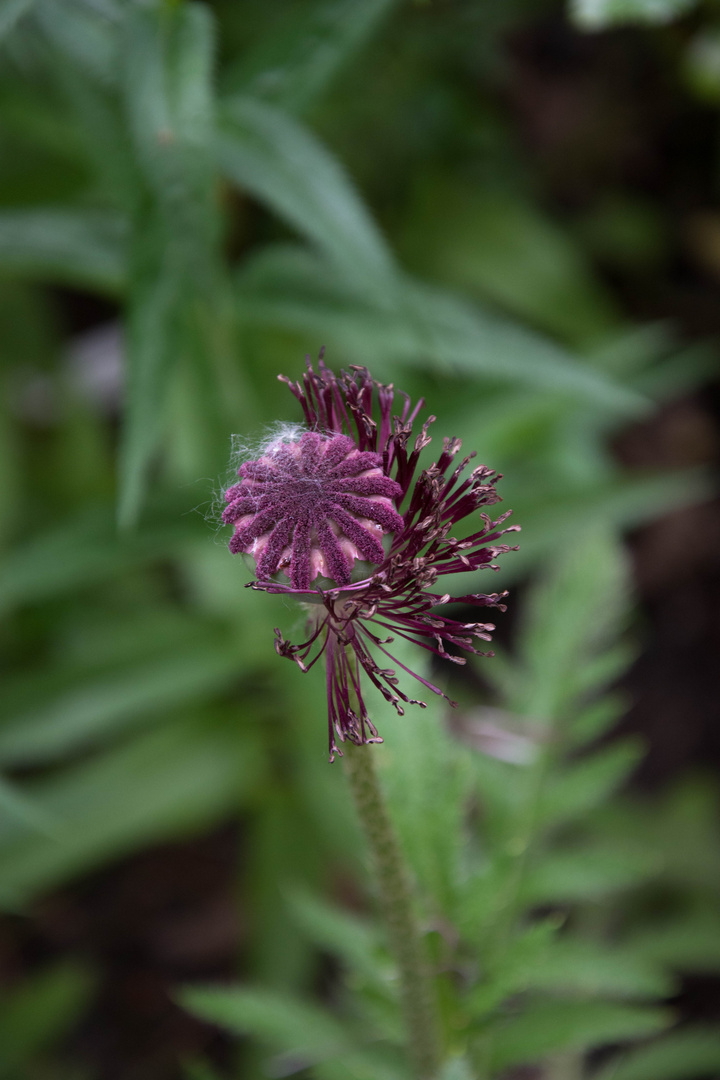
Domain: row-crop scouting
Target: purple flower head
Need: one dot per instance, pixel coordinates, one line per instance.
(312, 507)
(313, 510)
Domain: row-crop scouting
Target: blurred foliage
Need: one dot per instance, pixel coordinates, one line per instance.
(228, 187)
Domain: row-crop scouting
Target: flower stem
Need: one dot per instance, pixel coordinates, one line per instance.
(396, 900)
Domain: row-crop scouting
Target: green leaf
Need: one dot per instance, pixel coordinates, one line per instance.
(306, 1035)
(688, 942)
(575, 966)
(10, 12)
(597, 14)
(167, 80)
(620, 504)
(39, 1012)
(86, 549)
(422, 767)
(272, 156)
(162, 784)
(547, 1027)
(16, 806)
(99, 706)
(85, 33)
(154, 336)
(307, 1031)
(576, 789)
(457, 1069)
(525, 955)
(168, 70)
(589, 872)
(495, 244)
(343, 935)
(572, 616)
(80, 247)
(290, 288)
(686, 1054)
(294, 64)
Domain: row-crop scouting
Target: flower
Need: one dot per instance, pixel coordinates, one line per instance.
(314, 510)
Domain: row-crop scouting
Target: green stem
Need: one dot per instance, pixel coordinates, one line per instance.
(397, 906)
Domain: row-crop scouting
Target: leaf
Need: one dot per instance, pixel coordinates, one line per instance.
(16, 806)
(38, 1012)
(571, 617)
(688, 1053)
(457, 1069)
(576, 789)
(81, 247)
(588, 873)
(168, 64)
(162, 784)
(494, 243)
(167, 81)
(525, 955)
(271, 155)
(422, 767)
(85, 32)
(154, 336)
(343, 935)
(293, 65)
(689, 942)
(619, 504)
(306, 1035)
(305, 1030)
(100, 706)
(575, 966)
(10, 12)
(86, 549)
(290, 288)
(546, 1027)
(597, 14)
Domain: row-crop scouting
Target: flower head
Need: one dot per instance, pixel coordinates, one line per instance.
(312, 506)
(313, 510)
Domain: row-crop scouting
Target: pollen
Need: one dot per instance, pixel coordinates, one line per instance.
(310, 507)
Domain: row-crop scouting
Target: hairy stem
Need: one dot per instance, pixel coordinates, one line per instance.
(396, 899)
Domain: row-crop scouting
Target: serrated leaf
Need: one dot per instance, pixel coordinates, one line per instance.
(39, 1011)
(271, 155)
(82, 247)
(686, 1054)
(293, 65)
(547, 1027)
